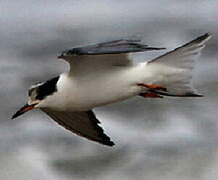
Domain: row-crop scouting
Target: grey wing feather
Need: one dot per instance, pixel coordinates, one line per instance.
(84, 124)
(111, 47)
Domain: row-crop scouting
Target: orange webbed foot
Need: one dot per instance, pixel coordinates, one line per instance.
(153, 87)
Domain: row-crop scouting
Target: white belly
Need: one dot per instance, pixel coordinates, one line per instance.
(99, 88)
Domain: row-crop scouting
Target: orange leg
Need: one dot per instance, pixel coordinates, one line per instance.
(153, 87)
(150, 95)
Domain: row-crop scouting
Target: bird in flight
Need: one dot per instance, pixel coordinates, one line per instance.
(103, 73)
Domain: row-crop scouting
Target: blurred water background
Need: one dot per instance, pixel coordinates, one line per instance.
(171, 138)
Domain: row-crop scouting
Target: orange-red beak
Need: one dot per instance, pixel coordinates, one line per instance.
(22, 110)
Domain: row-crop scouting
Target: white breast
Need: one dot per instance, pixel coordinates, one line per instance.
(84, 92)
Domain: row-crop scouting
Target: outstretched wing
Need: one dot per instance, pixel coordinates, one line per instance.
(111, 47)
(84, 124)
(104, 54)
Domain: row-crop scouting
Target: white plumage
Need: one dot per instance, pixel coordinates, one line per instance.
(95, 80)
(102, 74)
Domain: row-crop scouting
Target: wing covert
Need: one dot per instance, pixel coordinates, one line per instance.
(111, 47)
(105, 54)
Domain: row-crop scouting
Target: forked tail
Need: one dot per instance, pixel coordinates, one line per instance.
(174, 69)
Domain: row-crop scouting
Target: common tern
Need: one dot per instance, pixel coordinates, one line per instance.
(104, 73)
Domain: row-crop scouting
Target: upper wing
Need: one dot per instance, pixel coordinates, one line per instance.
(82, 123)
(108, 53)
(111, 47)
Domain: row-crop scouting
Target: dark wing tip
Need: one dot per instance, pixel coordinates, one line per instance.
(106, 140)
(206, 36)
(194, 95)
(201, 39)
(154, 48)
(109, 143)
(103, 138)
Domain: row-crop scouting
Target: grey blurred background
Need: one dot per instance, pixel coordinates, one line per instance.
(171, 138)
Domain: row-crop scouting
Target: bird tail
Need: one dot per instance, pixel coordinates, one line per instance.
(173, 70)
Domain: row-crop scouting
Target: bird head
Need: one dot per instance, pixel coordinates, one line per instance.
(37, 95)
